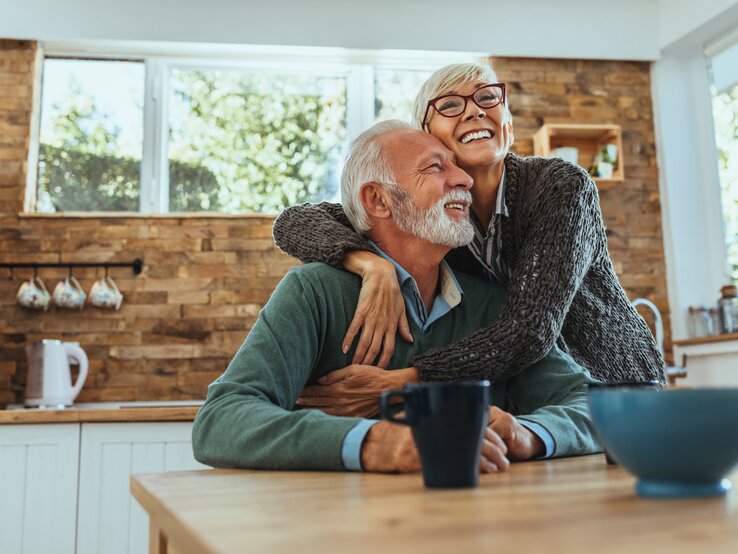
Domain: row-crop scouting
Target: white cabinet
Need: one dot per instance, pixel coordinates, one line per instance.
(109, 520)
(38, 488)
(64, 487)
(709, 361)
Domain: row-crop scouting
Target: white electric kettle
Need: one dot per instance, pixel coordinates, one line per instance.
(49, 383)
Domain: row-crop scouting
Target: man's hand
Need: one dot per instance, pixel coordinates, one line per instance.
(494, 450)
(389, 447)
(522, 444)
(354, 390)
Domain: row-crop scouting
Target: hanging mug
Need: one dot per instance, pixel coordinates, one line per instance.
(69, 294)
(33, 294)
(105, 294)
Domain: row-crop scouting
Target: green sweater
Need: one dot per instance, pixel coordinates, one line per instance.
(249, 418)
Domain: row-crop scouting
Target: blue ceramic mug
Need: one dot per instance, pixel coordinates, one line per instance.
(448, 422)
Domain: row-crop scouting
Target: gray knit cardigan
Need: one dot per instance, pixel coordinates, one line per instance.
(562, 283)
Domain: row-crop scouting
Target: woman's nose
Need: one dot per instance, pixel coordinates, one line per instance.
(473, 111)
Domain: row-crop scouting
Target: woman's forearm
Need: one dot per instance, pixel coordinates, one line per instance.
(317, 233)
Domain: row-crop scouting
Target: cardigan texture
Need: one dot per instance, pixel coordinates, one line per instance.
(563, 287)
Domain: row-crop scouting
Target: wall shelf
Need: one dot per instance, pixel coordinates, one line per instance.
(587, 138)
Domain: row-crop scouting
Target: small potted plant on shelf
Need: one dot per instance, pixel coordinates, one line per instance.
(605, 161)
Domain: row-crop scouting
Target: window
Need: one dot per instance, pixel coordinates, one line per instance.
(253, 142)
(158, 134)
(91, 142)
(724, 73)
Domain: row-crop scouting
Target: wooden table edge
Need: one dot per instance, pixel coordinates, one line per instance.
(167, 532)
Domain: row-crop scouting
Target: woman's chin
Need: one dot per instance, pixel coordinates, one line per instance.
(480, 157)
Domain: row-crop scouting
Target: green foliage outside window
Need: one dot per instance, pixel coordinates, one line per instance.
(270, 141)
(725, 113)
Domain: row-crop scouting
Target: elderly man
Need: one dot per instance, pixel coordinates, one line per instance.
(402, 188)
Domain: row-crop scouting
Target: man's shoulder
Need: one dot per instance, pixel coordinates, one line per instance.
(320, 275)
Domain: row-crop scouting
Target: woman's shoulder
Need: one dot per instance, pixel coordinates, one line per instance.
(536, 173)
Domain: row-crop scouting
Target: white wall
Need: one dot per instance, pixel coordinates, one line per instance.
(679, 18)
(688, 171)
(602, 29)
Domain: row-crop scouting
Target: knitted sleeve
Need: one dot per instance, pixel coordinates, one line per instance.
(317, 233)
(562, 239)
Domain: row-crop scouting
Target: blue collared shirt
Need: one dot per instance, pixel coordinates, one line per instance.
(450, 295)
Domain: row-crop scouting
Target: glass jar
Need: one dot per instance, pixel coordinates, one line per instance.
(728, 308)
(700, 322)
(715, 316)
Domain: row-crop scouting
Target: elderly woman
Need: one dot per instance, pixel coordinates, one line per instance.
(538, 232)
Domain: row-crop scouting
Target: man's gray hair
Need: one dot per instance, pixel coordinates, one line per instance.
(366, 162)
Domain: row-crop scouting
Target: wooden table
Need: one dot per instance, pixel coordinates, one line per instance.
(570, 505)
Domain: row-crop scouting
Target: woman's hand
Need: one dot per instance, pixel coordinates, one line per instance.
(380, 312)
(354, 390)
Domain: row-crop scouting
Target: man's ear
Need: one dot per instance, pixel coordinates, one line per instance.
(375, 199)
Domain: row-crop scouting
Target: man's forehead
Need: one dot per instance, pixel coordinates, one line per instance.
(411, 145)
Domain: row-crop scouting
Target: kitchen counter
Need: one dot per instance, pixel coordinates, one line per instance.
(574, 505)
(101, 412)
(707, 340)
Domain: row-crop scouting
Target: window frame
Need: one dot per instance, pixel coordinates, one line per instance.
(357, 66)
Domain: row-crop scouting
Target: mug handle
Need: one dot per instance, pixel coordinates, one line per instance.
(112, 284)
(75, 353)
(40, 284)
(389, 411)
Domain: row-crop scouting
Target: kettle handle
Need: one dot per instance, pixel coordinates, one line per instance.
(74, 352)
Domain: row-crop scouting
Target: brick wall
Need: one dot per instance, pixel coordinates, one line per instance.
(205, 279)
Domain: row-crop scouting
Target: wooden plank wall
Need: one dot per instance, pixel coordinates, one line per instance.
(206, 278)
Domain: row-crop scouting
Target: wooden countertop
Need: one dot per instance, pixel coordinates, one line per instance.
(706, 340)
(99, 415)
(573, 505)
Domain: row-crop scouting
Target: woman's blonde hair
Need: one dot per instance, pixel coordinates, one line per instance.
(445, 80)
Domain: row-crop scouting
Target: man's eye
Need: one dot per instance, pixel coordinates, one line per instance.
(436, 166)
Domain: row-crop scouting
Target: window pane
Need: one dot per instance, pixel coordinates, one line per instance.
(725, 114)
(395, 91)
(91, 136)
(253, 142)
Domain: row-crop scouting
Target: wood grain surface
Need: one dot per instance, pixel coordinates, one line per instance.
(570, 505)
(74, 415)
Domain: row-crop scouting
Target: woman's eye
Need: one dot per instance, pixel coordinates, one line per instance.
(436, 166)
(449, 105)
(488, 97)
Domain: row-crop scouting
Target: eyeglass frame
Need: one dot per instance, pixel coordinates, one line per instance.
(466, 97)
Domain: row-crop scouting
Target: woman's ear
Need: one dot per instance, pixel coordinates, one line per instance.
(375, 199)
(510, 133)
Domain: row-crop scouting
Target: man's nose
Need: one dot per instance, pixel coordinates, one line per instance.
(461, 179)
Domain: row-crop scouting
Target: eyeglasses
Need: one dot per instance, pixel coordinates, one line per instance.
(453, 105)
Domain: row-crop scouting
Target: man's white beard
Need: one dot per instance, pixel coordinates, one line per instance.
(433, 224)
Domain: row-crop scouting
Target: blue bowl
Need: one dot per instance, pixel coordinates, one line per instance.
(679, 443)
